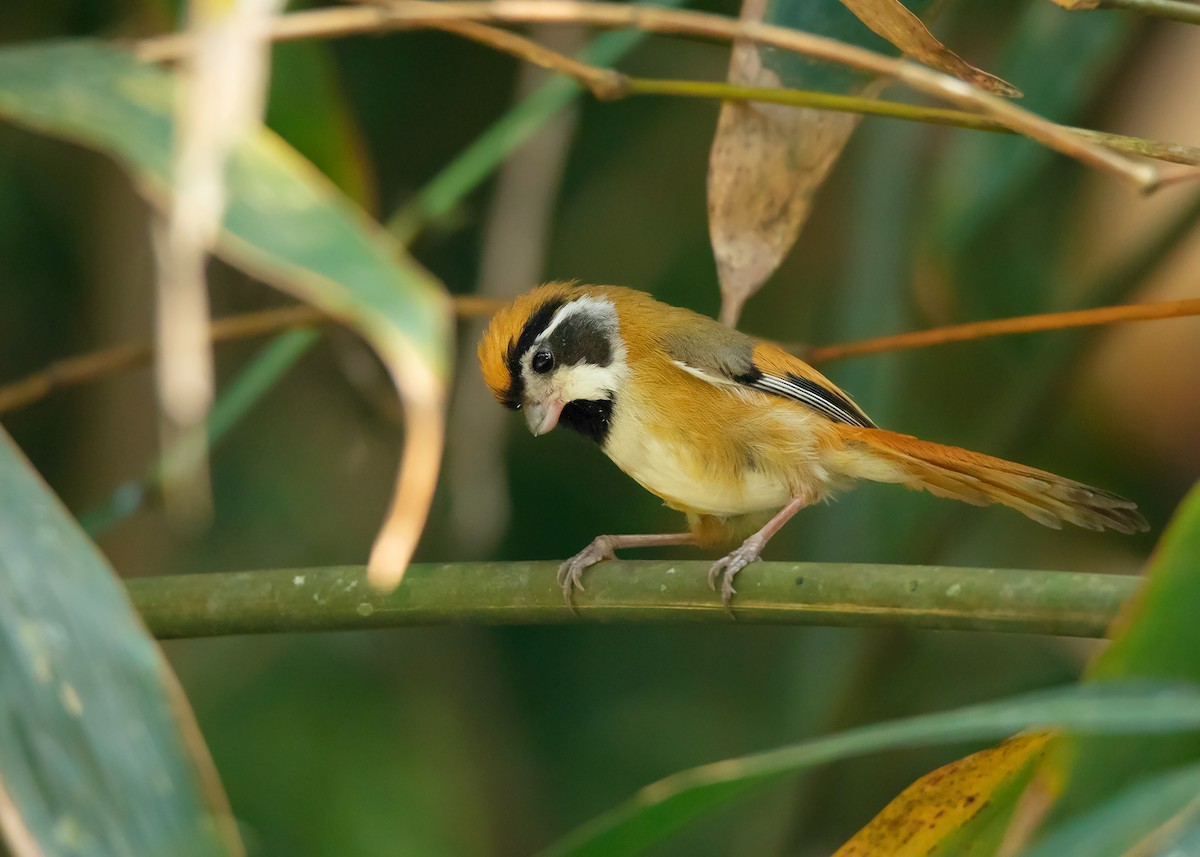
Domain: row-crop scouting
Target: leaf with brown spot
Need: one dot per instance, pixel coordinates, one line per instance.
(891, 20)
(968, 800)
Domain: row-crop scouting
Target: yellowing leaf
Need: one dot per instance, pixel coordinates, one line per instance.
(891, 20)
(953, 803)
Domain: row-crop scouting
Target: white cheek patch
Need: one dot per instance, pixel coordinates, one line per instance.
(588, 381)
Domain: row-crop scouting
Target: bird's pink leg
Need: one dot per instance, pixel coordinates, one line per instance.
(727, 566)
(602, 548)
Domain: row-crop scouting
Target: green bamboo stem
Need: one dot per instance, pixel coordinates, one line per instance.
(524, 593)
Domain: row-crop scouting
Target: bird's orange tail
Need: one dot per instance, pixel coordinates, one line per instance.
(972, 477)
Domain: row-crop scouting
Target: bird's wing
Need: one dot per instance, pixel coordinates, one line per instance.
(768, 369)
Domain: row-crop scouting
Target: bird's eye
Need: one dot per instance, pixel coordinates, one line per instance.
(543, 361)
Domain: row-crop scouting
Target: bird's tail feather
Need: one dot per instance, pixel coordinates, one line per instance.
(972, 477)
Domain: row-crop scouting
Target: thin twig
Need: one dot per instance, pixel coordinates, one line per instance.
(604, 83)
(845, 594)
(416, 13)
(1174, 152)
(610, 85)
(1005, 327)
(1176, 10)
(89, 367)
(74, 371)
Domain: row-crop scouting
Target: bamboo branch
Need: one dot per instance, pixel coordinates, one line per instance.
(1003, 327)
(525, 593)
(416, 13)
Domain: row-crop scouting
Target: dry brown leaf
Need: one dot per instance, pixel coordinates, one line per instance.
(766, 164)
(891, 20)
(1075, 5)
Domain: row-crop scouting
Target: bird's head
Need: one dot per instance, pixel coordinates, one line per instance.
(556, 354)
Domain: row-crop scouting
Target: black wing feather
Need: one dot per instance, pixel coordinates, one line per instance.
(833, 405)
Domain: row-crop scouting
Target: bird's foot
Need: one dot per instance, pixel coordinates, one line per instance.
(571, 571)
(728, 566)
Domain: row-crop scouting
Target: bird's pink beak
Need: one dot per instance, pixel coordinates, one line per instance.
(543, 416)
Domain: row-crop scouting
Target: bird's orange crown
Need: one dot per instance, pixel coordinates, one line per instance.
(499, 342)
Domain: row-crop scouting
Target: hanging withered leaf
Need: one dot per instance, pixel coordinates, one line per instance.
(891, 20)
(768, 161)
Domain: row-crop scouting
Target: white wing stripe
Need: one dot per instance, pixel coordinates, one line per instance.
(784, 387)
(778, 386)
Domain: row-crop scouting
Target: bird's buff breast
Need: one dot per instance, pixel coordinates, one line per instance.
(682, 476)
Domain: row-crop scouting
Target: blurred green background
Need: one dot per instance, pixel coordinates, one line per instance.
(468, 741)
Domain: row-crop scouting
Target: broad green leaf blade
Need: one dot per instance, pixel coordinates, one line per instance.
(308, 109)
(99, 754)
(1157, 636)
(664, 807)
(1156, 818)
(285, 223)
(967, 802)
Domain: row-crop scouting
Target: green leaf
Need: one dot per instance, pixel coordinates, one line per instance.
(99, 754)
(1157, 636)
(308, 109)
(285, 223)
(1155, 817)
(665, 807)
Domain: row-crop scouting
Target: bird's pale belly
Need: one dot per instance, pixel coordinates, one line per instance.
(690, 484)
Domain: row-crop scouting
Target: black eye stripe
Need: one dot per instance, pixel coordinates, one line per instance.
(582, 339)
(533, 328)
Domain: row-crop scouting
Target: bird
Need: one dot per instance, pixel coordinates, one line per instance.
(735, 432)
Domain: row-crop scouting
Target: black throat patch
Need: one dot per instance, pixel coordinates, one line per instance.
(591, 418)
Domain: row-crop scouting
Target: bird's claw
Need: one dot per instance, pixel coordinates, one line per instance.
(570, 573)
(728, 566)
